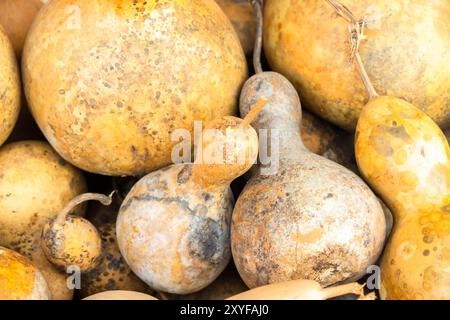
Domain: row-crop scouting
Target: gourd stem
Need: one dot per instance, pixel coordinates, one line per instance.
(105, 200)
(257, 4)
(356, 35)
(254, 111)
(350, 288)
(365, 77)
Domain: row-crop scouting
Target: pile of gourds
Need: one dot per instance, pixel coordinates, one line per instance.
(139, 100)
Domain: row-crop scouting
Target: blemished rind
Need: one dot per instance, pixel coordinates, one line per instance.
(35, 184)
(310, 218)
(406, 53)
(173, 234)
(326, 140)
(112, 273)
(16, 17)
(10, 88)
(20, 279)
(243, 18)
(114, 96)
(405, 157)
(120, 295)
(75, 242)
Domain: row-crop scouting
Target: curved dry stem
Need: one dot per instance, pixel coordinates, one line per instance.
(254, 111)
(105, 200)
(117, 189)
(365, 77)
(350, 288)
(258, 4)
(356, 29)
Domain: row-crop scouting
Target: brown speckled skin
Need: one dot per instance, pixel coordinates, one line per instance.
(114, 96)
(173, 234)
(20, 279)
(242, 16)
(312, 219)
(75, 242)
(323, 139)
(112, 273)
(35, 183)
(405, 157)
(9, 88)
(16, 17)
(406, 54)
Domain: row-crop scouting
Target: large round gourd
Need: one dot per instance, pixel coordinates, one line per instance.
(9, 88)
(114, 95)
(406, 54)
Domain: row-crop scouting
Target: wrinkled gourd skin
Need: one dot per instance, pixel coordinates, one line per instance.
(75, 242)
(16, 17)
(404, 155)
(309, 219)
(406, 54)
(115, 95)
(35, 184)
(242, 16)
(10, 88)
(20, 279)
(112, 273)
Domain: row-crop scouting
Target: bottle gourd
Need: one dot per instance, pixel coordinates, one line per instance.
(310, 218)
(405, 157)
(173, 227)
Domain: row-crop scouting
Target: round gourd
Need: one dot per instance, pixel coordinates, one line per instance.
(116, 94)
(9, 88)
(16, 17)
(20, 279)
(75, 241)
(241, 15)
(406, 53)
(35, 184)
(120, 295)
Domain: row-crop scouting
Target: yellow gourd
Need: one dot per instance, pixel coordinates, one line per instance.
(405, 157)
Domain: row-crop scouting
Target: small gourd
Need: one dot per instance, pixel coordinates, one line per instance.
(173, 228)
(70, 240)
(301, 216)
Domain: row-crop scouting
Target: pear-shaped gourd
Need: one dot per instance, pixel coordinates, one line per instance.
(20, 279)
(173, 228)
(300, 216)
(405, 157)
